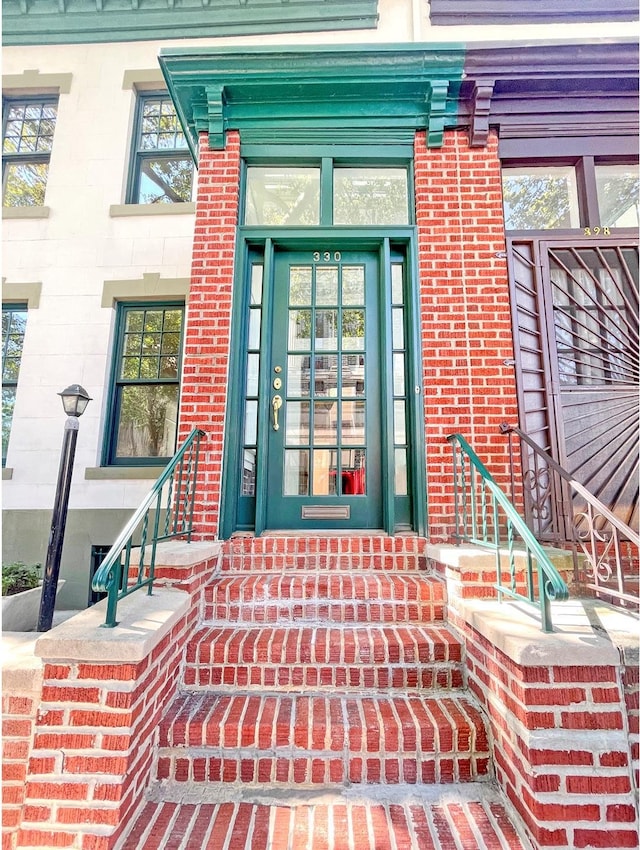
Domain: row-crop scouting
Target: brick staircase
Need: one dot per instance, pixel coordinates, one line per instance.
(322, 705)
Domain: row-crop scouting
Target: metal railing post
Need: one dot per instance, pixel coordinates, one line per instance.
(107, 578)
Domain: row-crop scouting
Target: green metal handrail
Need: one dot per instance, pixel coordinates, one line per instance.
(178, 484)
(478, 503)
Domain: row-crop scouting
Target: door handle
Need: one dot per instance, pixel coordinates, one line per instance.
(276, 404)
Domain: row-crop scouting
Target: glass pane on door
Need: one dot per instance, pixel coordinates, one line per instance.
(326, 382)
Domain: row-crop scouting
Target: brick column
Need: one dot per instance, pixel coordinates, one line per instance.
(466, 319)
(560, 727)
(208, 332)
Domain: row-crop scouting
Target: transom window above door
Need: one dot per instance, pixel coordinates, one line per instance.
(589, 194)
(329, 194)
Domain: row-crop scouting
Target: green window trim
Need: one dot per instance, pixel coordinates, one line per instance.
(161, 171)
(28, 127)
(14, 321)
(144, 388)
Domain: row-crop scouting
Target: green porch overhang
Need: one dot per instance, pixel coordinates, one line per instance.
(376, 94)
(79, 21)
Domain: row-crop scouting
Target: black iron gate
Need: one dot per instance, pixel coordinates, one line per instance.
(575, 314)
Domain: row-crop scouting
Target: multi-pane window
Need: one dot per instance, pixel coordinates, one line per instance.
(330, 194)
(589, 194)
(146, 383)
(162, 168)
(14, 322)
(27, 139)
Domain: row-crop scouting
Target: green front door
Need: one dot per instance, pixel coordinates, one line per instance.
(323, 444)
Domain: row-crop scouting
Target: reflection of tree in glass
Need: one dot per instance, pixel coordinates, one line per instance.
(536, 203)
(300, 285)
(353, 329)
(25, 184)
(8, 401)
(295, 201)
(165, 181)
(299, 329)
(147, 421)
(372, 200)
(618, 195)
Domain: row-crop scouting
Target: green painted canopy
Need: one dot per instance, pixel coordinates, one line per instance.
(325, 95)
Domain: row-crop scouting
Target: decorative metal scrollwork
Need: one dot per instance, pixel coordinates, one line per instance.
(596, 544)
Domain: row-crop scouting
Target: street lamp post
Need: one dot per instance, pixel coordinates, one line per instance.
(74, 400)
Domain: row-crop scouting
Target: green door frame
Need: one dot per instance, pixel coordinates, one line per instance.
(383, 240)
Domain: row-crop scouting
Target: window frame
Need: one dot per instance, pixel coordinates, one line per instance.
(11, 307)
(36, 157)
(328, 162)
(585, 172)
(116, 383)
(140, 154)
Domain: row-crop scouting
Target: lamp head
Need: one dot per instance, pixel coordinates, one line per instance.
(74, 400)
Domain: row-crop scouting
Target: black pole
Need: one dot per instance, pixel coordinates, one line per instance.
(58, 524)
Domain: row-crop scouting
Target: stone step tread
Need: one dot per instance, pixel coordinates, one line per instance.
(412, 825)
(325, 724)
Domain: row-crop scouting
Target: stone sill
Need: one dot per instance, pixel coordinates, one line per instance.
(143, 621)
(586, 632)
(26, 212)
(123, 210)
(130, 473)
(7, 473)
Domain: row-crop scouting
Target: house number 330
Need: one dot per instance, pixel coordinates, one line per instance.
(326, 256)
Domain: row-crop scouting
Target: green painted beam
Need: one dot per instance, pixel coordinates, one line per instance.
(54, 22)
(340, 95)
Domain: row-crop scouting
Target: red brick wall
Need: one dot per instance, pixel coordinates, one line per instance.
(466, 324)
(19, 709)
(206, 359)
(93, 745)
(466, 320)
(560, 744)
(91, 756)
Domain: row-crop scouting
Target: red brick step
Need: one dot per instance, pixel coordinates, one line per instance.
(324, 552)
(401, 824)
(358, 596)
(374, 656)
(322, 739)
